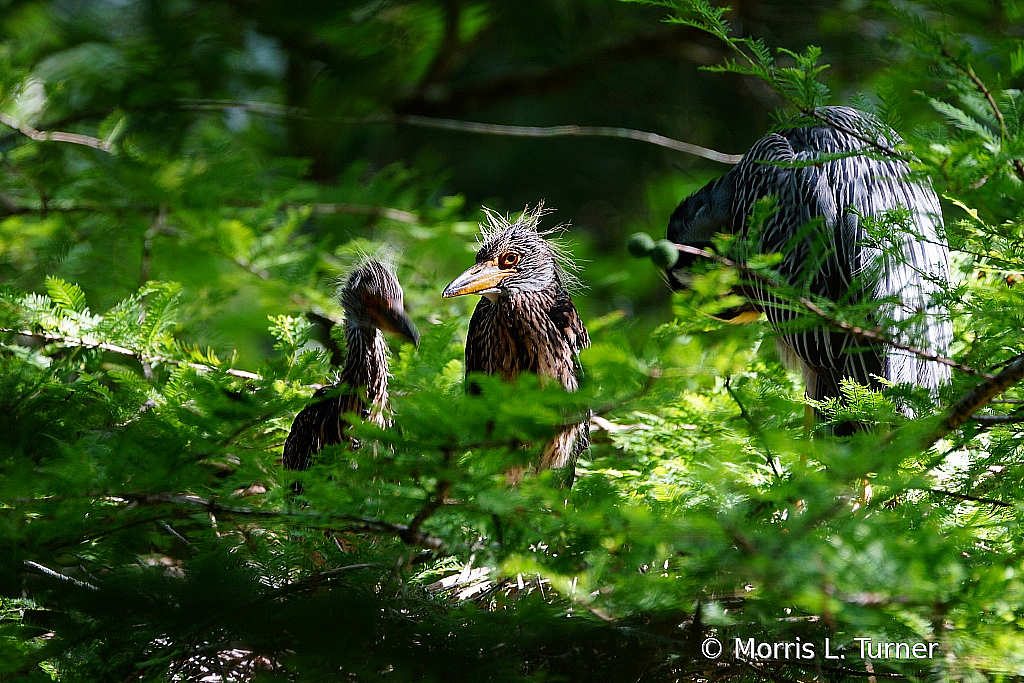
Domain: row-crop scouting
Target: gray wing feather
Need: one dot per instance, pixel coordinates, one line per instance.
(829, 252)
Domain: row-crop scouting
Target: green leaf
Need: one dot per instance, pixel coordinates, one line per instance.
(961, 119)
(66, 296)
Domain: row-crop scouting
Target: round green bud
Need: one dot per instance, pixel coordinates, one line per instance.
(639, 244)
(664, 254)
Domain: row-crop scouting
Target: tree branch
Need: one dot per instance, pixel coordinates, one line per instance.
(858, 135)
(1018, 164)
(752, 424)
(972, 499)
(830, 320)
(405, 532)
(362, 210)
(478, 128)
(557, 131)
(990, 420)
(977, 398)
(55, 136)
(42, 569)
(124, 351)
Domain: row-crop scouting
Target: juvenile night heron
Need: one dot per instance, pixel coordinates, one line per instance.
(525, 321)
(373, 301)
(832, 181)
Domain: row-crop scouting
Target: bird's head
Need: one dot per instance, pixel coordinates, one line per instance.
(514, 258)
(373, 299)
(695, 222)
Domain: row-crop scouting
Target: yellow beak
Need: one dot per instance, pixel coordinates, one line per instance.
(481, 278)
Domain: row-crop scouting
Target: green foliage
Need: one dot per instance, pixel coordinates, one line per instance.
(798, 84)
(167, 277)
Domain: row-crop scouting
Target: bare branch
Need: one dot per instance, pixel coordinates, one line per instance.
(55, 136)
(12, 209)
(972, 499)
(364, 210)
(559, 131)
(479, 128)
(123, 351)
(57, 575)
(406, 533)
(990, 420)
(977, 398)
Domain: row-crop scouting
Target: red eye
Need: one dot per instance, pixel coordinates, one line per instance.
(508, 260)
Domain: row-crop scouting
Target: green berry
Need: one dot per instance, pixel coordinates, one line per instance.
(639, 244)
(664, 254)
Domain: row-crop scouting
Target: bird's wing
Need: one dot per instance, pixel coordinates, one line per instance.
(318, 425)
(567, 333)
(568, 323)
(820, 228)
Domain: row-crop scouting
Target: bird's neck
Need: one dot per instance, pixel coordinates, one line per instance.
(518, 304)
(366, 363)
(523, 336)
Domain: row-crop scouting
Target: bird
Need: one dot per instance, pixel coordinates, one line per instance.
(829, 181)
(525, 320)
(373, 301)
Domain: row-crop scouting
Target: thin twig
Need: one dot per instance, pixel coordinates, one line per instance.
(55, 136)
(990, 420)
(479, 128)
(436, 500)
(858, 135)
(1018, 164)
(314, 580)
(754, 427)
(830, 320)
(323, 208)
(971, 499)
(406, 533)
(123, 351)
(363, 210)
(434, 503)
(57, 575)
(171, 530)
(558, 131)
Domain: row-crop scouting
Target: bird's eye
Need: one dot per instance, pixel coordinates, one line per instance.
(508, 260)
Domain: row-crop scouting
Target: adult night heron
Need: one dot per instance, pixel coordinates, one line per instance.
(525, 321)
(853, 226)
(373, 301)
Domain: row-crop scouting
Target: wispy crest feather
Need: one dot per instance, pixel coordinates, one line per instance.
(385, 254)
(496, 223)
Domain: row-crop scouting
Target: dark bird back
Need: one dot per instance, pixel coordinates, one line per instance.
(828, 180)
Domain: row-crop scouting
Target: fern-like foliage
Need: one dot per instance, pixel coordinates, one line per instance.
(168, 267)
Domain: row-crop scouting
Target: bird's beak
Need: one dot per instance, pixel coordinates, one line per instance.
(482, 278)
(391, 317)
(739, 315)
